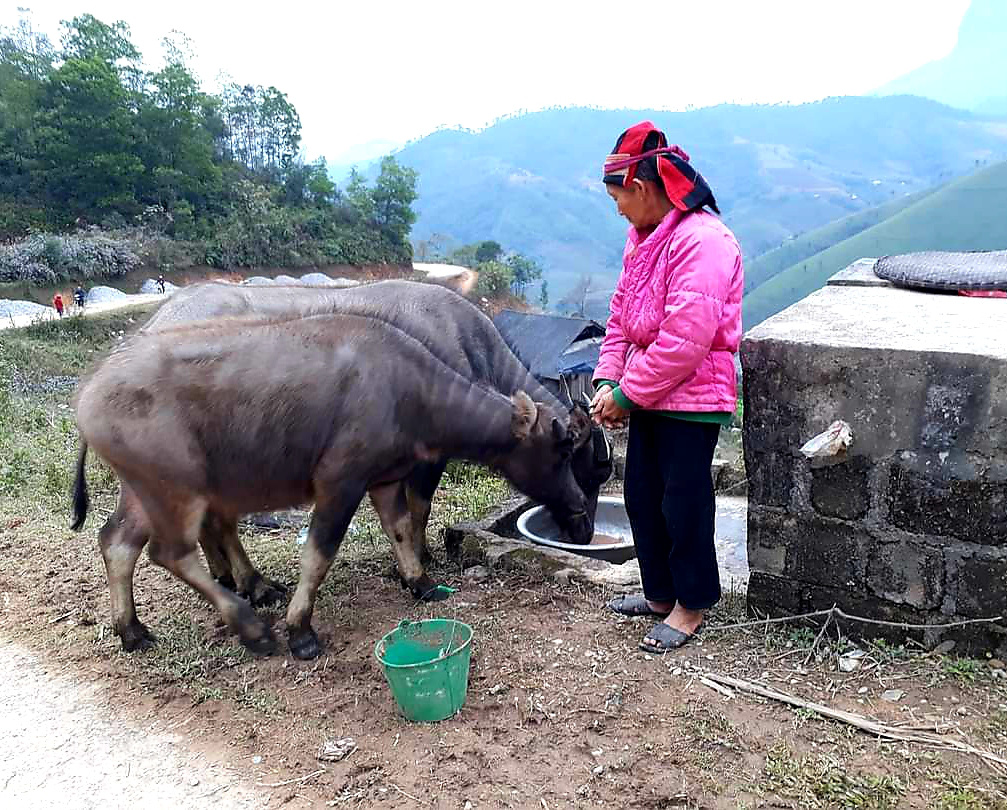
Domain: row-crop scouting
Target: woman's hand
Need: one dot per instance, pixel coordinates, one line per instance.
(605, 410)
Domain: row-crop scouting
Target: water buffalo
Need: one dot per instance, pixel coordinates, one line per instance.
(250, 414)
(449, 326)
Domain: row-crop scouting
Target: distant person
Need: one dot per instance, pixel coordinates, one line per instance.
(667, 365)
(78, 297)
(57, 302)
(160, 283)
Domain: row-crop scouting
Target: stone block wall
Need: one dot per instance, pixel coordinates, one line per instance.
(912, 525)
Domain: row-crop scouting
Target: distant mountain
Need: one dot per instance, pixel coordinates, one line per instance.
(974, 75)
(967, 214)
(361, 156)
(531, 182)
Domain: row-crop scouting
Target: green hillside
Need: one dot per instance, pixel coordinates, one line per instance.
(967, 214)
(531, 182)
(762, 268)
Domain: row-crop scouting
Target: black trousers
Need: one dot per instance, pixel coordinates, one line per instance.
(670, 502)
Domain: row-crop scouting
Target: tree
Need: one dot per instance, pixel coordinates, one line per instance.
(176, 147)
(87, 135)
(87, 37)
(393, 195)
(465, 255)
(575, 301)
(431, 249)
(27, 51)
(87, 140)
(308, 184)
(495, 279)
(488, 252)
(262, 128)
(524, 272)
(26, 58)
(360, 197)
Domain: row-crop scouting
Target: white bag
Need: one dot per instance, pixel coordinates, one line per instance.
(830, 443)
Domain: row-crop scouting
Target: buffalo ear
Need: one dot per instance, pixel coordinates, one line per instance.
(580, 426)
(523, 415)
(558, 431)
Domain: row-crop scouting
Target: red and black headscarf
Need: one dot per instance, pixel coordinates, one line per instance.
(684, 186)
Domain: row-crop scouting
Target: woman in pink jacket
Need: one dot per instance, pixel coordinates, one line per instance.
(667, 364)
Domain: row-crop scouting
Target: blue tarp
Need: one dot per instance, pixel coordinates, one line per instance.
(544, 342)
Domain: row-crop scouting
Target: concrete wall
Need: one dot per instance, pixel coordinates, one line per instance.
(912, 525)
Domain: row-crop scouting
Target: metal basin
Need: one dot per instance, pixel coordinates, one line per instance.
(537, 525)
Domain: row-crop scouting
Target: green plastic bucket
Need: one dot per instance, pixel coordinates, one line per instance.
(426, 665)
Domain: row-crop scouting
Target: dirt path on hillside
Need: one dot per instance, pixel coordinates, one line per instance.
(63, 744)
(49, 314)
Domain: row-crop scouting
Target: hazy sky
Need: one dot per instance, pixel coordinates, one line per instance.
(392, 71)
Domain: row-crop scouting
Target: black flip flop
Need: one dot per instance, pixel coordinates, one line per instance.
(633, 605)
(667, 638)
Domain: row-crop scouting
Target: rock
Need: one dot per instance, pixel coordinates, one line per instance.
(893, 695)
(149, 287)
(20, 308)
(998, 674)
(336, 750)
(256, 760)
(316, 280)
(477, 573)
(257, 281)
(598, 770)
(285, 279)
(101, 294)
(945, 647)
(262, 520)
(996, 663)
(850, 661)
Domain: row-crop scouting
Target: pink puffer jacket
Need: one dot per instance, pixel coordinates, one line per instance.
(676, 317)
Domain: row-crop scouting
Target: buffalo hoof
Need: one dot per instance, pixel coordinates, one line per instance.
(136, 636)
(263, 644)
(426, 590)
(226, 581)
(304, 644)
(265, 592)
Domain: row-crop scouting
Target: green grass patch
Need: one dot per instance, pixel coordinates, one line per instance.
(825, 782)
(964, 670)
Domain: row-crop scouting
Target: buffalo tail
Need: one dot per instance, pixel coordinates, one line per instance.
(81, 502)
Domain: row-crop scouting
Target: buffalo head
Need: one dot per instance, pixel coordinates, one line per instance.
(592, 460)
(541, 464)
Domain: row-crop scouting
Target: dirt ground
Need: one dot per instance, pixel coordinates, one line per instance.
(64, 741)
(563, 710)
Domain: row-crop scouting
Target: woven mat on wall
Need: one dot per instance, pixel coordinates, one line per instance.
(933, 270)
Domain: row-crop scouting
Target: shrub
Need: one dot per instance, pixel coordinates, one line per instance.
(45, 258)
(495, 279)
